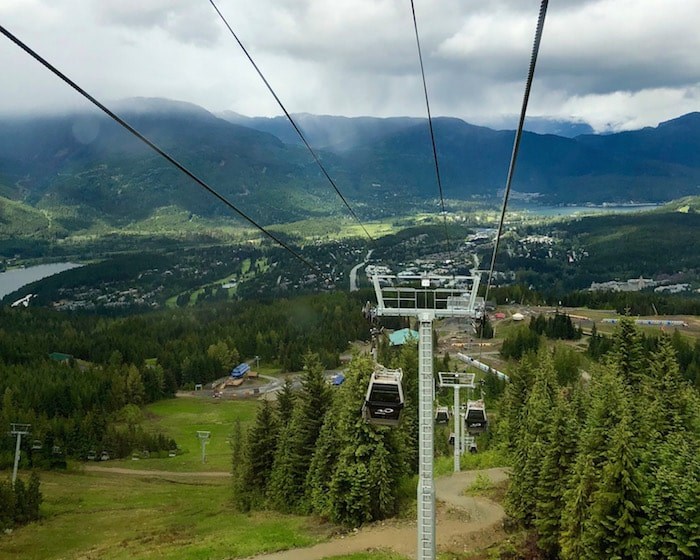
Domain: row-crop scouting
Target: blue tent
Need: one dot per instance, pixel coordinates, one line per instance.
(240, 370)
(337, 379)
(397, 338)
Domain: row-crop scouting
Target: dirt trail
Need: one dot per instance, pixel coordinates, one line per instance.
(159, 474)
(476, 524)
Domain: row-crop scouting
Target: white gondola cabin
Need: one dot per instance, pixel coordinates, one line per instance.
(442, 415)
(384, 400)
(475, 417)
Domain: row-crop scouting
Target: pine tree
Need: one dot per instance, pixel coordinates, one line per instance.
(298, 440)
(609, 402)
(514, 399)
(616, 505)
(575, 521)
(533, 440)
(672, 526)
(324, 462)
(627, 356)
(670, 404)
(34, 497)
(21, 503)
(407, 431)
(357, 481)
(241, 492)
(260, 453)
(7, 505)
(285, 402)
(557, 467)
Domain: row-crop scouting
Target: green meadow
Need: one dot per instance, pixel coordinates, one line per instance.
(184, 516)
(110, 516)
(181, 418)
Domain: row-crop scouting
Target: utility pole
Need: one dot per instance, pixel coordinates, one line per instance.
(18, 430)
(426, 298)
(457, 380)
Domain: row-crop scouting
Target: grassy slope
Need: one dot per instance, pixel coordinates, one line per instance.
(105, 516)
(101, 515)
(110, 516)
(180, 419)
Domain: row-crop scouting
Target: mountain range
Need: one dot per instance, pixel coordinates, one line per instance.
(88, 163)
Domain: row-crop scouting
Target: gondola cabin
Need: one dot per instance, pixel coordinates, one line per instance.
(475, 417)
(384, 400)
(442, 415)
(451, 439)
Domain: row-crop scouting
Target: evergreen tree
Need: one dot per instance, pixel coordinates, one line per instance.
(484, 329)
(514, 399)
(533, 440)
(598, 345)
(556, 471)
(298, 440)
(627, 356)
(575, 521)
(324, 460)
(608, 405)
(7, 505)
(285, 402)
(34, 497)
(22, 514)
(566, 363)
(520, 342)
(407, 431)
(260, 453)
(672, 526)
(616, 505)
(670, 405)
(368, 460)
(241, 492)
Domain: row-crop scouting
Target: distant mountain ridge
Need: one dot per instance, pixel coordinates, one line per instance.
(88, 163)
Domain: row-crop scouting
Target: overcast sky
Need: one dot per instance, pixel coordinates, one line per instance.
(615, 64)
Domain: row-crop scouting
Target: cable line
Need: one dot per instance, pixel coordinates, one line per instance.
(516, 143)
(292, 122)
(153, 146)
(432, 132)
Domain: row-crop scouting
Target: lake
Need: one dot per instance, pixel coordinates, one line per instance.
(15, 278)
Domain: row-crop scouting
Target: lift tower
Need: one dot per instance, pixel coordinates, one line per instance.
(18, 430)
(457, 380)
(426, 298)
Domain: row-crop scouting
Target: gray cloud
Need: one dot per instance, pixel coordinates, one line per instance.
(184, 20)
(613, 63)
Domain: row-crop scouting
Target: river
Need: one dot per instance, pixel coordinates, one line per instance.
(15, 278)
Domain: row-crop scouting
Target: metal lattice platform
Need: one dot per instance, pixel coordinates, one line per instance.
(456, 379)
(442, 296)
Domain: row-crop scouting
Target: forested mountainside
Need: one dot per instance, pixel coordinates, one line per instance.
(85, 162)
